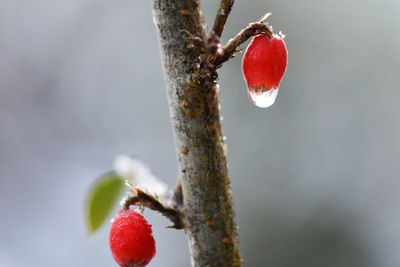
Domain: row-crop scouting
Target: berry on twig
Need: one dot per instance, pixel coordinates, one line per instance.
(263, 66)
(131, 239)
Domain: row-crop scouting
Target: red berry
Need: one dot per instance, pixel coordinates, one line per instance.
(263, 66)
(131, 239)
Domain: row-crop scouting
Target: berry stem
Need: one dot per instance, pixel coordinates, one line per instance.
(142, 199)
(230, 48)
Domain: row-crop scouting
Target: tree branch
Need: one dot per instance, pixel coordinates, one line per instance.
(230, 48)
(194, 106)
(224, 9)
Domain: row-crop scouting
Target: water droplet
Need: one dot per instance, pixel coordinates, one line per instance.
(263, 99)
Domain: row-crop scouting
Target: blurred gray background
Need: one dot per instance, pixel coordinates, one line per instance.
(315, 178)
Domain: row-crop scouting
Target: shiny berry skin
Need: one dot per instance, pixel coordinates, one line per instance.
(131, 239)
(264, 64)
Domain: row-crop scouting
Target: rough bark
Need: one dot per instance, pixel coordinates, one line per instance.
(208, 215)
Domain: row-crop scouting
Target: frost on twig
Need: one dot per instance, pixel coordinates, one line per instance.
(147, 190)
(138, 174)
(144, 200)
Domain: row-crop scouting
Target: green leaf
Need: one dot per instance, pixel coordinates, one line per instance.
(102, 197)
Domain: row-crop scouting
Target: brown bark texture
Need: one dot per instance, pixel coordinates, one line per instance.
(208, 215)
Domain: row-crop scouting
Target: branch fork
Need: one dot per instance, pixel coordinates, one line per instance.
(213, 54)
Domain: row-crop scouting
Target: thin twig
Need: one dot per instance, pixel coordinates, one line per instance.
(213, 56)
(224, 8)
(230, 48)
(143, 199)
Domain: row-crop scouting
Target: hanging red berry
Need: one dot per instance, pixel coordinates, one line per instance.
(131, 239)
(263, 66)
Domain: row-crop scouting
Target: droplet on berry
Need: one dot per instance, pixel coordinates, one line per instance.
(131, 239)
(263, 99)
(263, 66)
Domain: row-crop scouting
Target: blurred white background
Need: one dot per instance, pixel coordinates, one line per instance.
(315, 178)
